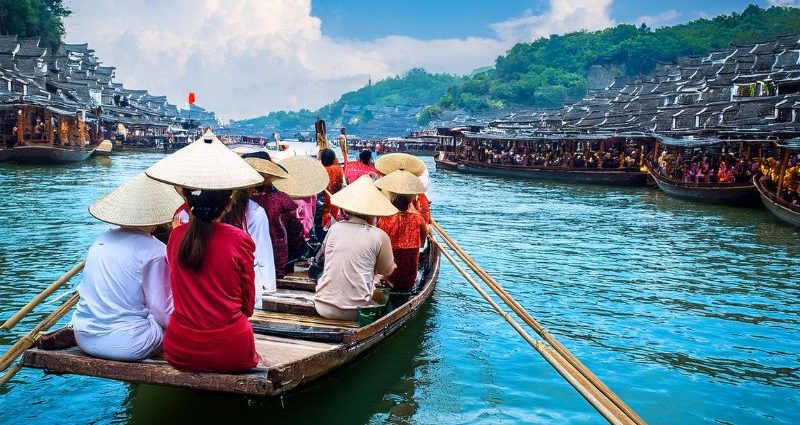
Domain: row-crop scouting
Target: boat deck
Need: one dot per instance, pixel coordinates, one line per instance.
(295, 347)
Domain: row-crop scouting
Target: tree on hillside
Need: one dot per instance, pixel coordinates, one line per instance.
(34, 18)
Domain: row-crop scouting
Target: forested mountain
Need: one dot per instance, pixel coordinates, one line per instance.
(551, 71)
(410, 91)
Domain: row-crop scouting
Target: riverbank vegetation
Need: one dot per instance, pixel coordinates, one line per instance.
(34, 18)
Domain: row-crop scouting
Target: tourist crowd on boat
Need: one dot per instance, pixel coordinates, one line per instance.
(789, 182)
(203, 234)
(707, 167)
(529, 157)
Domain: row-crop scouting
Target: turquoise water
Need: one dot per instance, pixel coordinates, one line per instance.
(689, 312)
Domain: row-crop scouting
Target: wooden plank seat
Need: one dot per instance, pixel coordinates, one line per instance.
(300, 284)
(289, 301)
(312, 328)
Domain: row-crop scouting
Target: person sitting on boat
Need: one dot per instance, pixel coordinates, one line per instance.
(212, 268)
(336, 180)
(125, 298)
(355, 169)
(247, 215)
(353, 252)
(285, 228)
(407, 229)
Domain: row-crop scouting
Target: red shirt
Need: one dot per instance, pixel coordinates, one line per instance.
(405, 229)
(355, 169)
(209, 330)
(423, 207)
(336, 176)
(285, 229)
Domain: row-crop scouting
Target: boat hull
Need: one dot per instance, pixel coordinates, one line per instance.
(50, 155)
(6, 154)
(787, 213)
(711, 193)
(593, 176)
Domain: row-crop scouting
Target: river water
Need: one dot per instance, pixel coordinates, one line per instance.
(689, 312)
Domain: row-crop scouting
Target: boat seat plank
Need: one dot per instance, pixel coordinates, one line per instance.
(262, 316)
(289, 301)
(300, 284)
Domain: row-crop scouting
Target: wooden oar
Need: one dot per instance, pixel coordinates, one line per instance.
(24, 311)
(28, 340)
(595, 397)
(538, 328)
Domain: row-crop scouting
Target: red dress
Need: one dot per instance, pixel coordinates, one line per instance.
(407, 231)
(336, 176)
(423, 207)
(285, 229)
(209, 330)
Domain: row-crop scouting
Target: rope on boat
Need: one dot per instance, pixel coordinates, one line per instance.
(579, 376)
(24, 311)
(28, 340)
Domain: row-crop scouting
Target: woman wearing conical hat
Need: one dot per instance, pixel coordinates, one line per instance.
(353, 252)
(212, 269)
(125, 298)
(392, 162)
(407, 229)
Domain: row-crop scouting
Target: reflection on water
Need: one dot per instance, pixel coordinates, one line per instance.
(687, 311)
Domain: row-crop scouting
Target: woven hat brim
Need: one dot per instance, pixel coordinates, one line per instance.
(389, 163)
(205, 164)
(401, 182)
(307, 177)
(141, 201)
(362, 197)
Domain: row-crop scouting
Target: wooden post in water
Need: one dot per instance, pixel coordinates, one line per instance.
(48, 125)
(21, 119)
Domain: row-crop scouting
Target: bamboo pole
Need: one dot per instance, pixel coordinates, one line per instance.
(782, 173)
(28, 340)
(10, 373)
(536, 326)
(596, 398)
(24, 311)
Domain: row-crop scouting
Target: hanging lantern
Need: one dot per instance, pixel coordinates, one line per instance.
(191, 98)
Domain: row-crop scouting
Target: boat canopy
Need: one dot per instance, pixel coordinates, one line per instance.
(688, 142)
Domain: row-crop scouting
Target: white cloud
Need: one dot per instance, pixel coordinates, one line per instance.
(562, 16)
(668, 17)
(248, 57)
(785, 3)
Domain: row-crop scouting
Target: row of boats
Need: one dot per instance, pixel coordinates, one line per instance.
(728, 172)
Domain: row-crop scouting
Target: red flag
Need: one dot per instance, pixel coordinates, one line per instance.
(191, 98)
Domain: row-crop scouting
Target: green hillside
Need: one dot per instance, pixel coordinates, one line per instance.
(414, 89)
(551, 71)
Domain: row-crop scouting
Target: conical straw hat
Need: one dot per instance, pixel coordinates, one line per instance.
(362, 197)
(307, 177)
(401, 182)
(270, 168)
(205, 164)
(400, 161)
(141, 201)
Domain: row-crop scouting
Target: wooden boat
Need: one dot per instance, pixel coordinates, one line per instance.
(6, 154)
(296, 345)
(783, 210)
(104, 148)
(50, 154)
(605, 176)
(711, 193)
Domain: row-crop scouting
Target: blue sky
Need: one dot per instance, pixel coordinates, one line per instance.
(430, 19)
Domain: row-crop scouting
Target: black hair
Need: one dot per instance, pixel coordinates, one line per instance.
(365, 156)
(205, 206)
(259, 155)
(236, 216)
(401, 202)
(327, 156)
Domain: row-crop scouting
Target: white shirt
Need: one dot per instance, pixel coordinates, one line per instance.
(125, 289)
(258, 228)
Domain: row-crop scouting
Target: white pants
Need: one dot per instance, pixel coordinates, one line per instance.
(129, 343)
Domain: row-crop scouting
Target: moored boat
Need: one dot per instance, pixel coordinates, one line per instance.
(573, 158)
(50, 154)
(733, 193)
(786, 211)
(104, 148)
(6, 154)
(296, 345)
